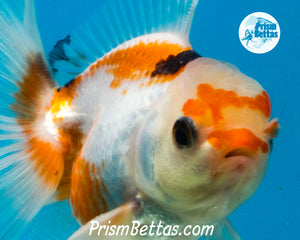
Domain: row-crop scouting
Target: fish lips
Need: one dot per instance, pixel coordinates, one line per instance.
(236, 164)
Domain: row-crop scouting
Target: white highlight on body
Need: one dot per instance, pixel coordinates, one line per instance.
(116, 115)
(65, 111)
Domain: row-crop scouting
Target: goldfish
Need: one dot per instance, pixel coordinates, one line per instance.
(146, 133)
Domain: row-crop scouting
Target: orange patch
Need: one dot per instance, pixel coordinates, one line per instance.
(65, 95)
(52, 163)
(48, 162)
(46, 159)
(129, 64)
(71, 141)
(55, 164)
(138, 61)
(31, 88)
(214, 100)
(86, 197)
(236, 138)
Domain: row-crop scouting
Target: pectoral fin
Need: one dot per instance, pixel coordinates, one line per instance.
(97, 227)
(224, 231)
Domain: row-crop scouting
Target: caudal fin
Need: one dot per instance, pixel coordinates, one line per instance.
(31, 165)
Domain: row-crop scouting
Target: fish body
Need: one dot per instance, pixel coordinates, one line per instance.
(150, 130)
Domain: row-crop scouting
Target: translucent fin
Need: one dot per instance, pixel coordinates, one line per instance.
(45, 224)
(122, 215)
(113, 26)
(30, 163)
(223, 231)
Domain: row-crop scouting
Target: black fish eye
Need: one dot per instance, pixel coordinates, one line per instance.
(184, 132)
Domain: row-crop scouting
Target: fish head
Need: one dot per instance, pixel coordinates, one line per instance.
(204, 148)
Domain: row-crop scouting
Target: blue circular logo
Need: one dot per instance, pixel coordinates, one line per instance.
(259, 32)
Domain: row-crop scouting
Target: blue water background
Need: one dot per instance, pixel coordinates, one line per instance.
(273, 212)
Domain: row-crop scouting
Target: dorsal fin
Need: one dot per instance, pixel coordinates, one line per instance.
(116, 22)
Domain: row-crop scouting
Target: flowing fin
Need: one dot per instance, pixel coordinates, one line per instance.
(31, 165)
(113, 26)
(224, 231)
(122, 215)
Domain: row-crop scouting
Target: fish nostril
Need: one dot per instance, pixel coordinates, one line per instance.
(239, 152)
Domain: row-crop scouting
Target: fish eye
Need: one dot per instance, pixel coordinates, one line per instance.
(184, 132)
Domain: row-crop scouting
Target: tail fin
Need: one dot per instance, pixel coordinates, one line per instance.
(30, 162)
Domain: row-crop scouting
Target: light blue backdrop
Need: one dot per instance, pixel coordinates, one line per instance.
(273, 212)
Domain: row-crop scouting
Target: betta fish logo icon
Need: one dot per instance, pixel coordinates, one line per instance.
(259, 32)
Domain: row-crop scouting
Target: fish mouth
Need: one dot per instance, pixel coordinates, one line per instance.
(242, 151)
(237, 161)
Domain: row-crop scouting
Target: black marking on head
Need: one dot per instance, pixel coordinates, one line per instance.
(174, 63)
(58, 52)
